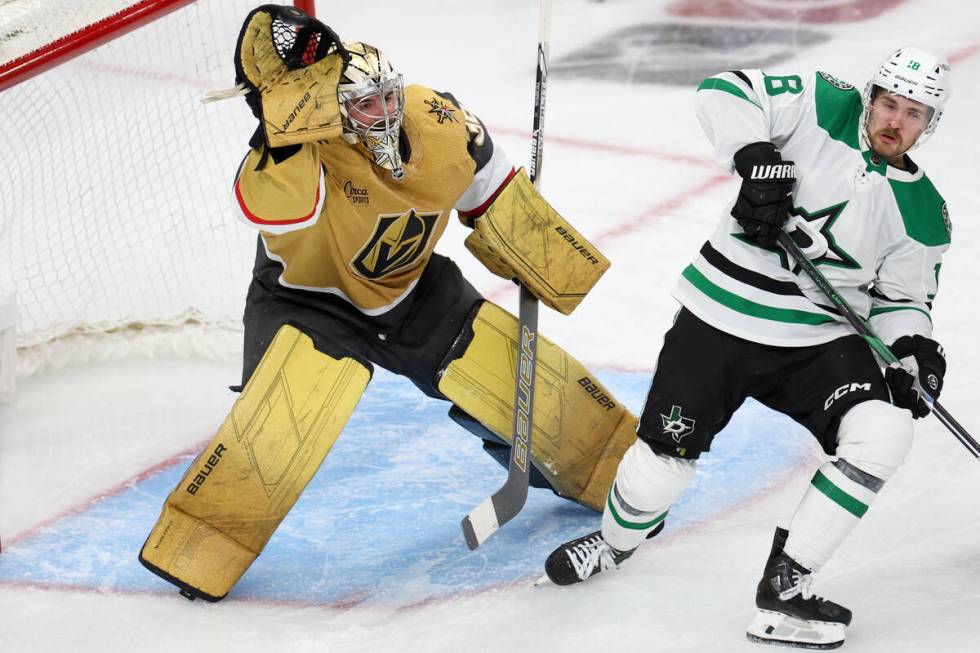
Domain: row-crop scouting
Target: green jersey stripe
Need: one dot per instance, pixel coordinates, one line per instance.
(715, 84)
(889, 309)
(748, 307)
(839, 496)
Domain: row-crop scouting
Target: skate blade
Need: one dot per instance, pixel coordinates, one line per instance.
(783, 630)
(544, 580)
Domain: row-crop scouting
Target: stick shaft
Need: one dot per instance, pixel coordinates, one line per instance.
(882, 351)
(495, 511)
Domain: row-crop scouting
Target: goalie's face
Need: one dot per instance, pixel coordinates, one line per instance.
(375, 111)
(372, 111)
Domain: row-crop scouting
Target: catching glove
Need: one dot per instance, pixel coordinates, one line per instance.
(765, 199)
(921, 358)
(290, 64)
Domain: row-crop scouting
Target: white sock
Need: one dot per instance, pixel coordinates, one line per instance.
(645, 487)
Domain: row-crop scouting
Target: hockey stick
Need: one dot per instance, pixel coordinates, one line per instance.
(880, 349)
(498, 509)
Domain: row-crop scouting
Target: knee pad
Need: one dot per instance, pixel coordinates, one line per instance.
(649, 481)
(875, 437)
(580, 431)
(646, 485)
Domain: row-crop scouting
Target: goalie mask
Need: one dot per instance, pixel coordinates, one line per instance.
(372, 99)
(913, 74)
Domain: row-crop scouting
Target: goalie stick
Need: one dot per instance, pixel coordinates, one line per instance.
(499, 508)
(880, 349)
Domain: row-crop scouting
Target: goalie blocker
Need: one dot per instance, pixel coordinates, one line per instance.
(520, 236)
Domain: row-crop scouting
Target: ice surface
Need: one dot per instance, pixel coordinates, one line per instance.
(372, 558)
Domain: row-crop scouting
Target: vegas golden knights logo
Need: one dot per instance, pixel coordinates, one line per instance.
(397, 242)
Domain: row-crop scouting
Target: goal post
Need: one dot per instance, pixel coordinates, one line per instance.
(60, 48)
(115, 188)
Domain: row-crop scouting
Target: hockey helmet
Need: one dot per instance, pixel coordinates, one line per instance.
(372, 102)
(914, 74)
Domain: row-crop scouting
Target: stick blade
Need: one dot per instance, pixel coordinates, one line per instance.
(480, 524)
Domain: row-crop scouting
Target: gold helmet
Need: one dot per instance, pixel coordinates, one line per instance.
(372, 100)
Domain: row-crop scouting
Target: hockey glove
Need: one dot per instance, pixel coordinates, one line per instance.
(291, 64)
(921, 358)
(765, 199)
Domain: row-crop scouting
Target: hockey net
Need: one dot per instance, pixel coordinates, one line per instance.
(115, 197)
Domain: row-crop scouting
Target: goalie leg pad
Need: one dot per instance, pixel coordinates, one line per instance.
(495, 446)
(521, 236)
(580, 431)
(233, 496)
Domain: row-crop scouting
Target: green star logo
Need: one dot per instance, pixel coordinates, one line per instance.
(823, 220)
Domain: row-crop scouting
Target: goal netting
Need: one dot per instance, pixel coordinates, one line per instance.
(115, 197)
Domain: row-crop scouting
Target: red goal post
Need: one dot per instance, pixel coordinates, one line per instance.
(115, 204)
(92, 35)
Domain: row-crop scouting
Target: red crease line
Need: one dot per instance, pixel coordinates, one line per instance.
(112, 491)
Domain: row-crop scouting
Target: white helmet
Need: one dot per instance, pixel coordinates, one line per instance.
(368, 75)
(914, 74)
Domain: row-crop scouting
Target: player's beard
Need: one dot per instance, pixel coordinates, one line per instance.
(889, 148)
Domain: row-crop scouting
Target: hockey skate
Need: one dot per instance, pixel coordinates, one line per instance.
(790, 614)
(586, 556)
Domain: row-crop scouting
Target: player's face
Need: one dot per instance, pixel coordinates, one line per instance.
(894, 125)
(372, 109)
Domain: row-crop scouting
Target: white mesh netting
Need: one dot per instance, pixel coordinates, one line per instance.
(115, 197)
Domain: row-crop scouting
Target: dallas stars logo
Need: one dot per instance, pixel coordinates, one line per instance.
(442, 110)
(676, 425)
(823, 220)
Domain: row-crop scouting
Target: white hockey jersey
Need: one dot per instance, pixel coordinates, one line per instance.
(886, 228)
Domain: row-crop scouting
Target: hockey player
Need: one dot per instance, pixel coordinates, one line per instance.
(829, 164)
(350, 181)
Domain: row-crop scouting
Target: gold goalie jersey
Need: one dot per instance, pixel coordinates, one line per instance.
(333, 222)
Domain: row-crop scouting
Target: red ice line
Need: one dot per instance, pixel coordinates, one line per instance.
(112, 491)
(611, 148)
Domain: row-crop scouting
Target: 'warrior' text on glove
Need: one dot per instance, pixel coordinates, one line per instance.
(765, 199)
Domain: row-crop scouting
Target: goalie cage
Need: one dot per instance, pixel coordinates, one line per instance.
(115, 195)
